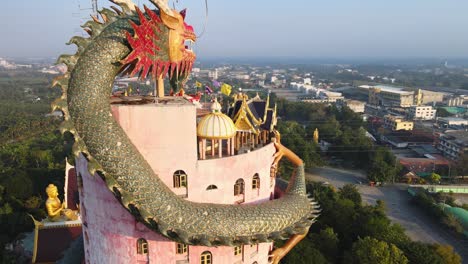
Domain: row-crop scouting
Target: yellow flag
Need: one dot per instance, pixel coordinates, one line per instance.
(226, 89)
(198, 84)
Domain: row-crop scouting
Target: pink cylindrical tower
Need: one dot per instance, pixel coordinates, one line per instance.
(166, 135)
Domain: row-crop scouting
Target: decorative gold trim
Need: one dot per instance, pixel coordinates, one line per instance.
(36, 234)
(245, 120)
(267, 105)
(244, 110)
(42, 226)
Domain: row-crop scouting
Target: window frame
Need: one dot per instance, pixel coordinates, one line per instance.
(181, 248)
(206, 257)
(142, 247)
(180, 179)
(238, 250)
(239, 187)
(256, 182)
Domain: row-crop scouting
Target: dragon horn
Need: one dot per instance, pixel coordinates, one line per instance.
(163, 6)
(168, 16)
(125, 4)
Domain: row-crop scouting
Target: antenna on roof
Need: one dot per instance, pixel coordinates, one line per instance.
(95, 7)
(84, 17)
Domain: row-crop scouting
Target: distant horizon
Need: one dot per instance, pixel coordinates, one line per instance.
(301, 60)
(308, 29)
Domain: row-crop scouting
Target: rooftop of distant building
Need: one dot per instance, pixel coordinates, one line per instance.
(387, 88)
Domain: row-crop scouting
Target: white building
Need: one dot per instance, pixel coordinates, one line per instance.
(422, 113)
(355, 106)
(213, 74)
(452, 121)
(305, 88)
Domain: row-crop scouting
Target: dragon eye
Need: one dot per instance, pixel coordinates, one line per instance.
(188, 44)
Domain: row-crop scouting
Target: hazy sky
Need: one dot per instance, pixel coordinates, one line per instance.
(260, 28)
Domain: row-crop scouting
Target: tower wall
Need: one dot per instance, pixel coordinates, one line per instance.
(166, 137)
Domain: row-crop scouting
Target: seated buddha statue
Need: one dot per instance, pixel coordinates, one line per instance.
(55, 209)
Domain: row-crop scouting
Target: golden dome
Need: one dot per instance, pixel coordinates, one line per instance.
(216, 125)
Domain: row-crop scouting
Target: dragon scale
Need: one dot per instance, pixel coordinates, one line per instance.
(110, 153)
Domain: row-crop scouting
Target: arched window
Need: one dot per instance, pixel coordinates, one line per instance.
(206, 258)
(180, 179)
(256, 181)
(239, 187)
(142, 246)
(212, 187)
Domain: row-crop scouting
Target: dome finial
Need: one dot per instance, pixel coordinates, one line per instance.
(216, 107)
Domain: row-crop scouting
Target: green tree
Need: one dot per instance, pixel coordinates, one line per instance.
(420, 253)
(327, 243)
(304, 252)
(371, 251)
(18, 185)
(435, 178)
(383, 166)
(447, 254)
(295, 138)
(350, 192)
(461, 166)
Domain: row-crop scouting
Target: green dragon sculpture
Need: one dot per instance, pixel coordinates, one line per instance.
(111, 50)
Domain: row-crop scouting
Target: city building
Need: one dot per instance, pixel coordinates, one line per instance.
(407, 138)
(452, 121)
(453, 144)
(422, 113)
(456, 100)
(205, 73)
(11, 65)
(396, 123)
(355, 105)
(399, 96)
(305, 88)
(388, 95)
(213, 74)
(424, 97)
(415, 169)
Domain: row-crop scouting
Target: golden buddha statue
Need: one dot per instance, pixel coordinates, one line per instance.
(55, 209)
(316, 136)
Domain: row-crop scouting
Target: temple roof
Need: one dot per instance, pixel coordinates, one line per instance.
(51, 239)
(252, 115)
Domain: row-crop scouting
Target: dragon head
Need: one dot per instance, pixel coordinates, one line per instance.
(161, 45)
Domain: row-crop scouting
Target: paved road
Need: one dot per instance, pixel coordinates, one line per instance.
(417, 224)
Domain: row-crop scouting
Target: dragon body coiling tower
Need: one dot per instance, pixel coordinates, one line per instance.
(157, 182)
(166, 135)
